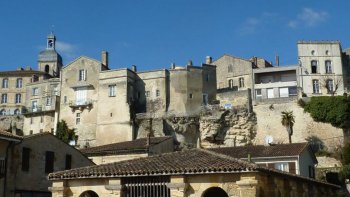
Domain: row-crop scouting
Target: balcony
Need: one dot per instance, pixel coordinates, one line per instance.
(81, 104)
(275, 84)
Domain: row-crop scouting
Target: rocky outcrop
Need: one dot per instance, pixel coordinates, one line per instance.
(12, 124)
(211, 128)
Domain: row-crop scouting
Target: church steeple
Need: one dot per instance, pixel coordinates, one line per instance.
(49, 60)
(51, 41)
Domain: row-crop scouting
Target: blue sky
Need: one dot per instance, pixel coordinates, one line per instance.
(154, 33)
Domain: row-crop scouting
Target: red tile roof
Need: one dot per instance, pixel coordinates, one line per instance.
(135, 146)
(10, 136)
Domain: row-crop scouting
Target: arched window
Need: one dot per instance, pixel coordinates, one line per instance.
(5, 83)
(47, 68)
(88, 194)
(215, 191)
(328, 65)
(17, 112)
(3, 112)
(313, 66)
(230, 83)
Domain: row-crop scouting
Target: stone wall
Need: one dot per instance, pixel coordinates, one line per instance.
(269, 124)
(8, 123)
(235, 98)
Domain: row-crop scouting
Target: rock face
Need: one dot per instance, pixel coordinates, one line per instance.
(12, 123)
(211, 128)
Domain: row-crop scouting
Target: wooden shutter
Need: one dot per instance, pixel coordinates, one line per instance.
(68, 162)
(271, 165)
(25, 158)
(49, 160)
(292, 168)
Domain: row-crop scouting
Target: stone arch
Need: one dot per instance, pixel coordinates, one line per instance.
(88, 193)
(214, 191)
(47, 68)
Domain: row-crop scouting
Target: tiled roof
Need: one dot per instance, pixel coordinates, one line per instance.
(135, 146)
(10, 136)
(278, 150)
(21, 72)
(192, 161)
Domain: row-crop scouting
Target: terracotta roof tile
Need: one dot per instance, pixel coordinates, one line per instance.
(184, 162)
(278, 150)
(135, 146)
(8, 135)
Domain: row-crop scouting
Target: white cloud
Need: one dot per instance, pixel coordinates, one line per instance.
(66, 48)
(309, 18)
(249, 26)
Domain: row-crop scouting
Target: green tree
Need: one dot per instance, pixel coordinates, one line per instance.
(288, 122)
(64, 133)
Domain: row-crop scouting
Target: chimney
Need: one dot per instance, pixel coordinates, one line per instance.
(134, 68)
(172, 66)
(255, 61)
(104, 58)
(208, 60)
(277, 60)
(28, 68)
(189, 63)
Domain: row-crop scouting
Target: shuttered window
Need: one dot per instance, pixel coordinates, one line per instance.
(25, 159)
(68, 162)
(49, 161)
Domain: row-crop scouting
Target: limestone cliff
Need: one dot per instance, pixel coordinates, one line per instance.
(12, 123)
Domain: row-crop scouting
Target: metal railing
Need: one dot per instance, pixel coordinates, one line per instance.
(80, 103)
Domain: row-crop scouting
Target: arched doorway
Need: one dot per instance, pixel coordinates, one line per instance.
(88, 194)
(214, 192)
(47, 68)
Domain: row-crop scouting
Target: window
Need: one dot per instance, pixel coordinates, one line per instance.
(4, 98)
(311, 171)
(230, 68)
(205, 99)
(77, 118)
(241, 82)
(230, 83)
(111, 90)
(41, 119)
(34, 106)
(207, 77)
(293, 91)
(17, 112)
(49, 161)
(31, 120)
(31, 132)
(81, 96)
(35, 78)
(313, 66)
(190, 95)
(48, 101)
(327, 52)
(147, 93)
(5, 83)
(282, 166)
(47, 68)
(329, 84)
(25, 159)
(157, 93)
(313, 52)
(316, 86)
(3, 112)
(65, 99)
(258, 93)
(19, 83)
(82, 75)
(18, 98)
(35, 91)
(68, 162)
(328, 65)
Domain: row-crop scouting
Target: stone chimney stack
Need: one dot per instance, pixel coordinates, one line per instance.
(277, 60)
(189, 63)
(172, 66)
(134, 68)
(104, 58)
(208, 60)
(255, 61)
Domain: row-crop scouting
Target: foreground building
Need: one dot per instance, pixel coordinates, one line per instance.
(31, 158)
(195, 172)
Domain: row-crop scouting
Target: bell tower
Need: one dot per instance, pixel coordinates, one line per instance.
(49, 60)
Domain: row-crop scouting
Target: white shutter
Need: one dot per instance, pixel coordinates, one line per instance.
(81, 95)
(284, 92)
(270, 93)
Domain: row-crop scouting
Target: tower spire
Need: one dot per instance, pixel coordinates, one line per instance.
(51, 41)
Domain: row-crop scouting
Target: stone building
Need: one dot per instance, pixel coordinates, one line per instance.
(322, 70)
(31, 159)
(190, 173)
